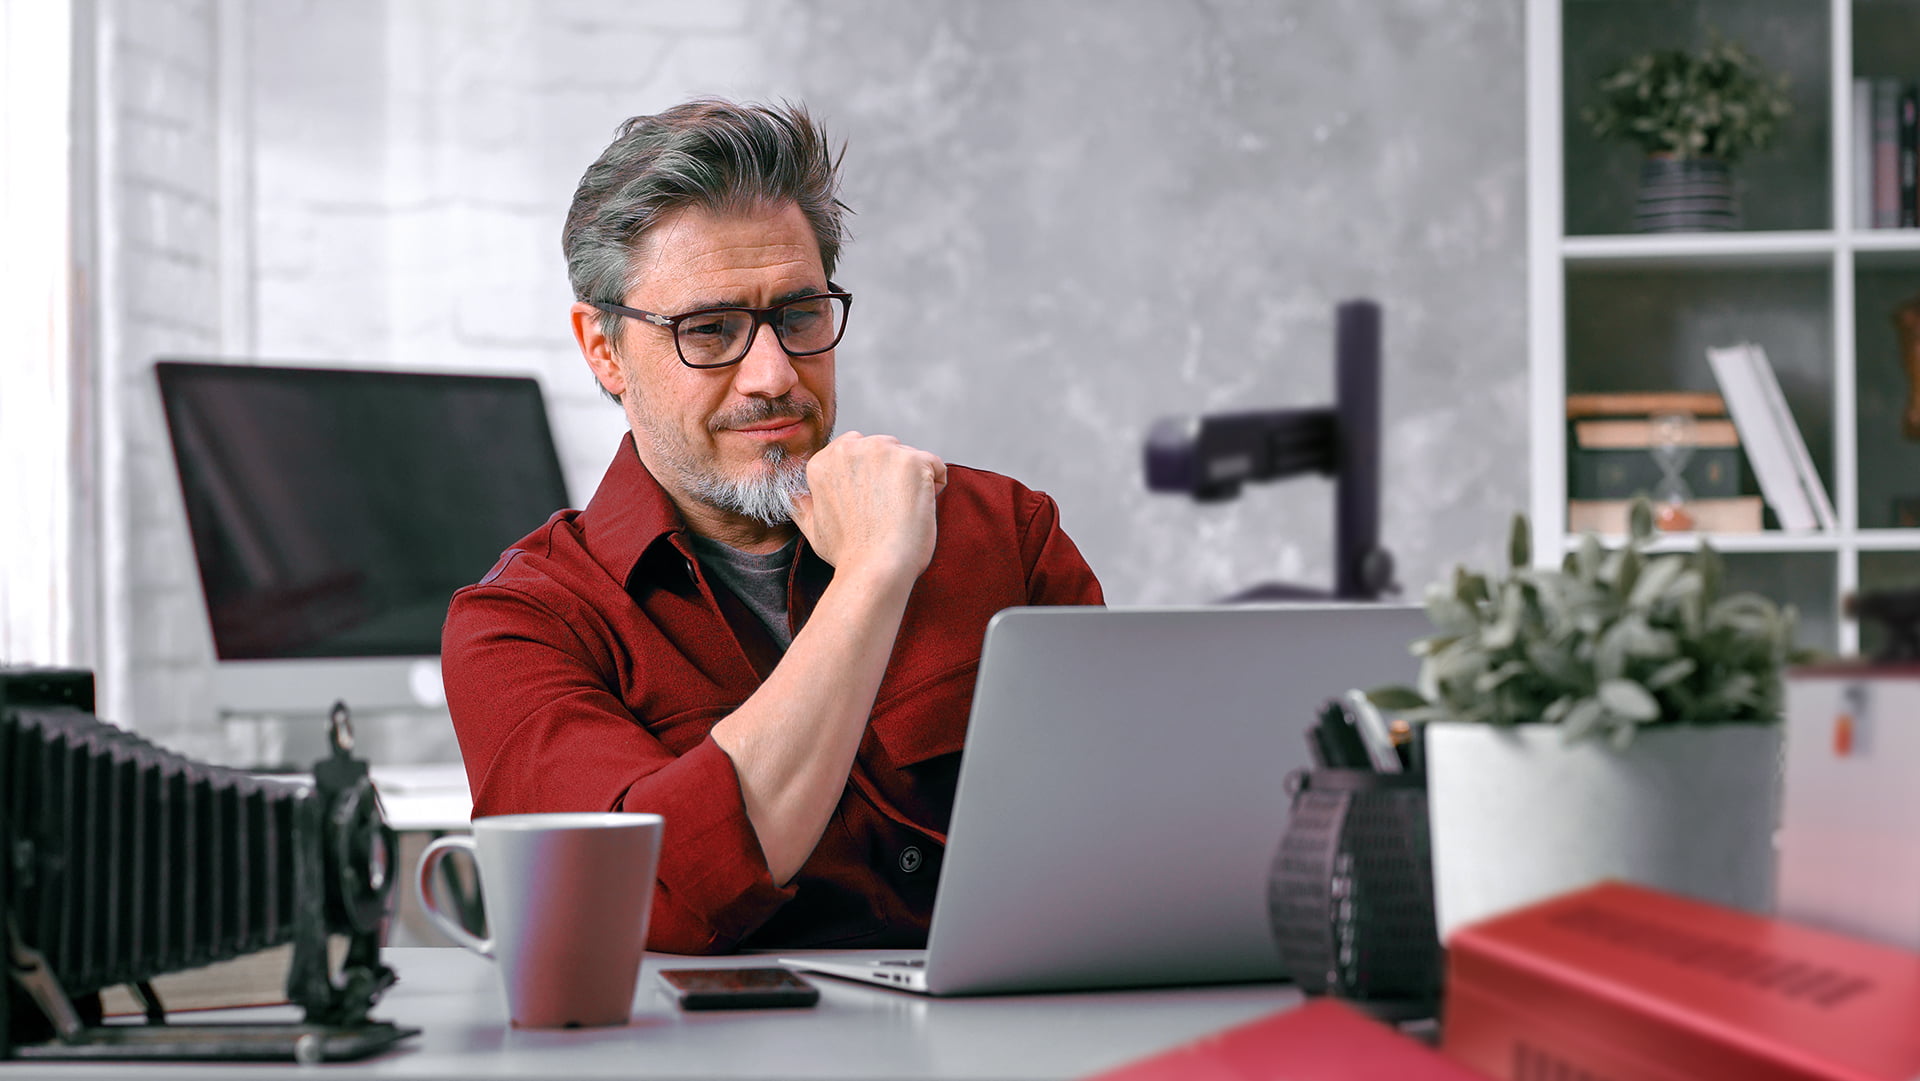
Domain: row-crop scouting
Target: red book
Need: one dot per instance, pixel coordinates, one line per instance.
(1324, 1040)
(1627, 984)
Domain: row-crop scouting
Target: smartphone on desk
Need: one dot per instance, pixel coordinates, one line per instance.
(738, 988)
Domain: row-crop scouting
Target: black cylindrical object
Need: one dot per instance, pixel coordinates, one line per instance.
(1351, 894)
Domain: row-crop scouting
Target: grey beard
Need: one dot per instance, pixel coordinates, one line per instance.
(766, 496)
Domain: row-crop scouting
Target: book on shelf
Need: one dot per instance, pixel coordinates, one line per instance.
(1622, 434)
(1609, 517)
(1862, 153)
(1646, 403)
(1803, 468)
(1629, 984)
(1886, 153)
(1886, 157)
(1775, 450)
(1323, 1040)
(1909, 113)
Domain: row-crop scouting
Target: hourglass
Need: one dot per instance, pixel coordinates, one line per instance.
(1673, 438)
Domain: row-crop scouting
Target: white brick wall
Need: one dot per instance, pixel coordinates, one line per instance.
(158, 294)
(440, 246)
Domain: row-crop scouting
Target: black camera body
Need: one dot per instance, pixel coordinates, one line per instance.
(121, 861)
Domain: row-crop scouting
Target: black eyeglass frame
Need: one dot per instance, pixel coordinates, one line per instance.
(761, 317)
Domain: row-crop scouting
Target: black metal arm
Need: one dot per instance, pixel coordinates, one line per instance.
(1211, 457)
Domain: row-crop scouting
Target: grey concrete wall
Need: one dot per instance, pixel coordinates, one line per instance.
(1085, 216)
(1072, 218)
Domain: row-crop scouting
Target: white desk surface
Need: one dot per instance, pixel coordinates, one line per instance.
(856, 1031)
(430, 797)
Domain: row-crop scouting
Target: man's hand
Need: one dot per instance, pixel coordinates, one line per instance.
(871, 507)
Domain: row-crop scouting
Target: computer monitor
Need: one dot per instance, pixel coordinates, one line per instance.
(335, 511)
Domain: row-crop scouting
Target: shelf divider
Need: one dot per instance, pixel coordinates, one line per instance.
(1637, 251)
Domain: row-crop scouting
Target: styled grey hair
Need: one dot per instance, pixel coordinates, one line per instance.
(713, 153)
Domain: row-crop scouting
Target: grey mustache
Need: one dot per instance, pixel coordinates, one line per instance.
(762, 410)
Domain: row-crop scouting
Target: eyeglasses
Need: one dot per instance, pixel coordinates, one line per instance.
(718, 337)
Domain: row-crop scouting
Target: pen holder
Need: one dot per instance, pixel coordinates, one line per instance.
(1351, 892)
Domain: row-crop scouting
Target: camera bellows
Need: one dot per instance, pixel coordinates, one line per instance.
(130, 861)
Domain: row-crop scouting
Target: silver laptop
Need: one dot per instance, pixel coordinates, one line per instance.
(1122, 793)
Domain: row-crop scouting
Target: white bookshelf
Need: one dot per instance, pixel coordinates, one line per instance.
(1769, 541)
(1800, 261)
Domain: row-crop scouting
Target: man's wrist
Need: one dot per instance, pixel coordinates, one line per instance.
(874, 583)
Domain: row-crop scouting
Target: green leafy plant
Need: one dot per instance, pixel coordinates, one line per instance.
(1608, 643)
(1715, 103)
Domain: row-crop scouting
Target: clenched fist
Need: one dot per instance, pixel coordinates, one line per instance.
(870, 506)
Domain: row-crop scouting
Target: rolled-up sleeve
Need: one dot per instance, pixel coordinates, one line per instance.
(542, 728)
(1056, 571)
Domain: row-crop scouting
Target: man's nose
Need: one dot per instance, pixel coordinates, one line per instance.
(766, 371)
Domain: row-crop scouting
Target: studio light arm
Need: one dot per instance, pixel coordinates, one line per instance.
(1211, 457)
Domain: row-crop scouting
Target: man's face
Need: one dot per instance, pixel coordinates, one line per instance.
(708, 433)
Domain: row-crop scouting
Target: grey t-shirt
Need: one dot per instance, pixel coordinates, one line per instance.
(760, 581)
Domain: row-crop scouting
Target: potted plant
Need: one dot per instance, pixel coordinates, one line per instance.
(1616, 717)
(1694, 115)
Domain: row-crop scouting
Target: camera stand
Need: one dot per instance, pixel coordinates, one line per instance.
(1210, 458)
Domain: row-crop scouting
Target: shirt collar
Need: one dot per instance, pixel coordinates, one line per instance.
(629, 513)
(631, 516)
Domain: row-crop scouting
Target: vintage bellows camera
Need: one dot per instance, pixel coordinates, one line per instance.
(121, 861)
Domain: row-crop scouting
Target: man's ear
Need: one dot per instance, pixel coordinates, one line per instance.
(597, 348)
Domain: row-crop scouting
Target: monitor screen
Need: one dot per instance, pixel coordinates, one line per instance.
(334, 512)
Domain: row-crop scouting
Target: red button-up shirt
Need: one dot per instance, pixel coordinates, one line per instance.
(586, 670)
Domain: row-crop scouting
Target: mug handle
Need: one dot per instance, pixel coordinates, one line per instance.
(423, 885)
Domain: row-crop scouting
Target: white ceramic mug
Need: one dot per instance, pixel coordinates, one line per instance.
(567, 900)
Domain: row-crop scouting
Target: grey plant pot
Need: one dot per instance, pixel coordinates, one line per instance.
(1519, 815)
(1685, 196)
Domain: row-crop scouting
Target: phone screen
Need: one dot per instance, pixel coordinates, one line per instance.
(738, 988)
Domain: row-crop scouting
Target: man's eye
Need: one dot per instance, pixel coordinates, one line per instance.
(703, 328)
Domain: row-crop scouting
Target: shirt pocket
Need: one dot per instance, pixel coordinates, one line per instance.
(926, 718)
(910, 762)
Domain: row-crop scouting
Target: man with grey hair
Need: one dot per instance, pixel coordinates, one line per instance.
(764, 632)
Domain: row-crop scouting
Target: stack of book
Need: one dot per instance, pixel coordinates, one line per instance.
(1610, 461)
(1886, 140)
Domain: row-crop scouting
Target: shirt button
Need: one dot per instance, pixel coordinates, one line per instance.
(910, 859)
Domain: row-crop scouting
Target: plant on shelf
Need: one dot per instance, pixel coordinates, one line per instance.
(1694, 114)
(1609, 643)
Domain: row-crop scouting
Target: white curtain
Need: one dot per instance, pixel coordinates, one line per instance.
(40, 441)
